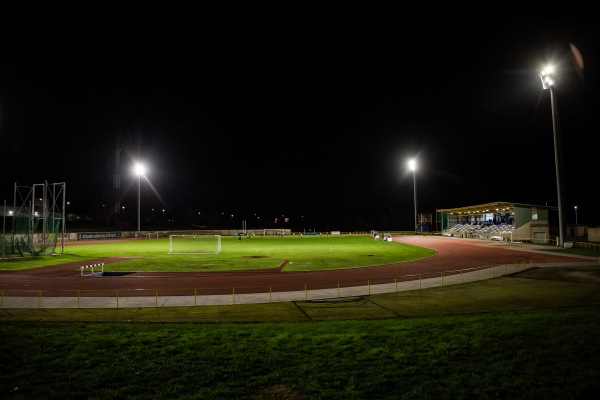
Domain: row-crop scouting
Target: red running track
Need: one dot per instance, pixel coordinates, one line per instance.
(452, 255)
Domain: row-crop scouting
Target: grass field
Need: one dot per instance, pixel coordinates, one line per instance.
(307, 253)
(532, 335)
(511, 337)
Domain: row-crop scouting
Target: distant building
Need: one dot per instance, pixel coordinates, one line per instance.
(500, 221)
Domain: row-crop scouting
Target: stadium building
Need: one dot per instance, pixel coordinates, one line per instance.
(500, 221)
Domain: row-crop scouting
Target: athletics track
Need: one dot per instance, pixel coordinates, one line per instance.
(452, 254)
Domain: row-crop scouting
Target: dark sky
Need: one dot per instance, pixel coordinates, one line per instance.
(312, 121)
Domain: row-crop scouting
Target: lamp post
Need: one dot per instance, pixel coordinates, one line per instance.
(548, 83)
(575, 215)
(412, 164)
(139, 171)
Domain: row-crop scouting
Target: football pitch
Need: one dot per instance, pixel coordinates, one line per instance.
(298, 253)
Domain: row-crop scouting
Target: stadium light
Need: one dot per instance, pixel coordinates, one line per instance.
(548, 81)
(412, 164)
(139, 171)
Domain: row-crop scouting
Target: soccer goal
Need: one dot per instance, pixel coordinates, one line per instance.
(273, 232)
(194, 244)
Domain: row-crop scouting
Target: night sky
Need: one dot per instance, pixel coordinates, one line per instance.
(313, 122)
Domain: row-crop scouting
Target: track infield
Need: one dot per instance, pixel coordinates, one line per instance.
(453, 255)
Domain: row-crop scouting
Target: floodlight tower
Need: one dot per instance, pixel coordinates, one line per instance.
(548, 81)
(412, 164)
(139, 171)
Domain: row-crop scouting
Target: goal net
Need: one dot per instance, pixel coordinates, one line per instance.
(194, 244)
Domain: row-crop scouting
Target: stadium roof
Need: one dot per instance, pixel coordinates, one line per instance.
(498, 207)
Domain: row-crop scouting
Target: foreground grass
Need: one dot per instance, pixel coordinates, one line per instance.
(534, 354)
(528, 336)
(306, 253)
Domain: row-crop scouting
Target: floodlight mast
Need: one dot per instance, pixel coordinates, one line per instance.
(548, 84)
(412, 164)
(139, 171)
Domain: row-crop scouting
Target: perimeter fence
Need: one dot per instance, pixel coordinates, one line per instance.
(232, 295)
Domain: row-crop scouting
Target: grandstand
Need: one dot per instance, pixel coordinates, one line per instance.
(481, 231)
(499, 221)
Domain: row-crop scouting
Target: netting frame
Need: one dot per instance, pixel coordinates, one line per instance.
(38, 220)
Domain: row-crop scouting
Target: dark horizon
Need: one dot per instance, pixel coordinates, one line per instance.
(316, 129)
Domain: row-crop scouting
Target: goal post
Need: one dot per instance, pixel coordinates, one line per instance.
(151, 235)
(194, 244)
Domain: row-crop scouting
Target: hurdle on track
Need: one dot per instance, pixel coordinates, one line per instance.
(92, 268)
